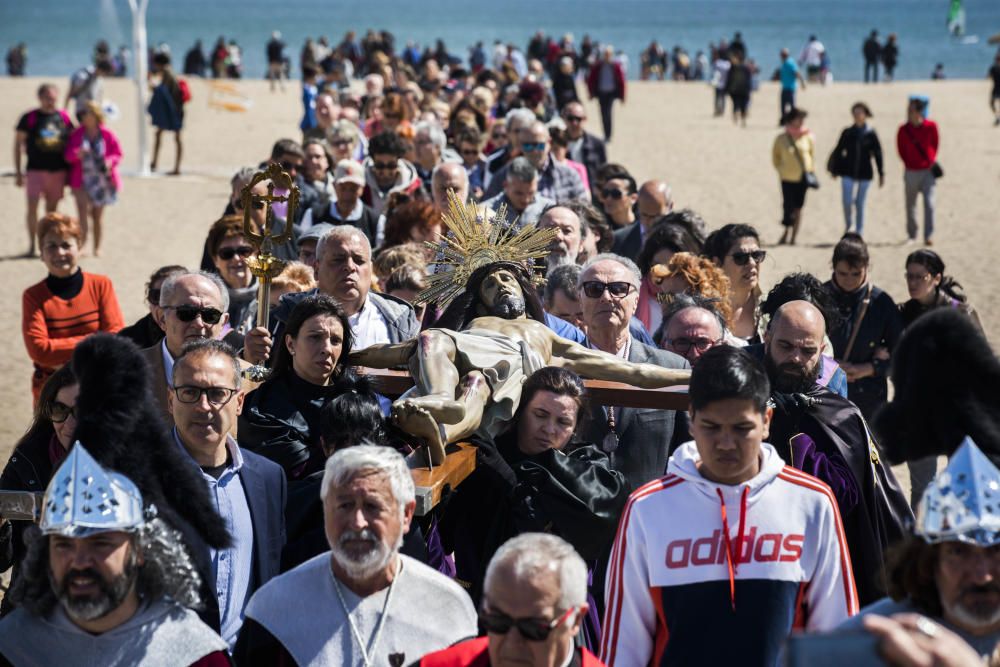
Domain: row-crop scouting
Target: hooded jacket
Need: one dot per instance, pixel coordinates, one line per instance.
(713, 574)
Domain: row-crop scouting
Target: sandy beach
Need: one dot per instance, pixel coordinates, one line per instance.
(665, 130)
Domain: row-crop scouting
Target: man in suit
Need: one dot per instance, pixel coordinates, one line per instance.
(654, 201)
(638, 440)
(193, 306)
(249, 491)
(584, 147)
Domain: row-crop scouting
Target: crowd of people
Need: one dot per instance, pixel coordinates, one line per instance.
(285, 528)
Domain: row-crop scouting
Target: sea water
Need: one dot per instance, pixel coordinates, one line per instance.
(60, 34)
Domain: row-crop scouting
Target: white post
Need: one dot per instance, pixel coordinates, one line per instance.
(141, 55)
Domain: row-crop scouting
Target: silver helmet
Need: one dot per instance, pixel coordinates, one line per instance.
(84, 499)
(963, 502)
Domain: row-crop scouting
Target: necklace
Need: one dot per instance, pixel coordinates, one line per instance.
(366, 658)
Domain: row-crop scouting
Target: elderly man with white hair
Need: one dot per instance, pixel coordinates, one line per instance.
(534, 603)
(363, 603)
(638, 440)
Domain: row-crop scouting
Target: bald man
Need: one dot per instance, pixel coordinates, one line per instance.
(825, 435)
(655, 201)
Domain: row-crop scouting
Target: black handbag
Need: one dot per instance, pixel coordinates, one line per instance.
(808, 177)
(937, 171)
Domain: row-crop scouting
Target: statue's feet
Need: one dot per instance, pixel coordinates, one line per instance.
(413, 418)
(443, 410)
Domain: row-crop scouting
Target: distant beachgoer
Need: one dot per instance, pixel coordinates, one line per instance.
(872, 51)
(938, 73)
(793, 156)
(219, 54)
(93, 153)
(791, 78)
(890, 56)
(194, 61)
(739, 83)
(720, 76)
(85, 85)
(852, 161)
(42, 133)
(917, 143)
(276, 61)
(812, 58)
(994, 74)
(167, 108)
(606, 82)
(17, 60)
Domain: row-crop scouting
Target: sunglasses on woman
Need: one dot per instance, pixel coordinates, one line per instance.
(532, 629)
(243, 251)
(594, 289)
(742, 258)
(612, 193)
(59, 412)
(188, 313)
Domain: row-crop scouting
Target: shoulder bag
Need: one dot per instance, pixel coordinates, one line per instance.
(808, 177)
(936, 170)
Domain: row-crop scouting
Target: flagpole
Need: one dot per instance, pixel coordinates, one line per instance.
(141, 55)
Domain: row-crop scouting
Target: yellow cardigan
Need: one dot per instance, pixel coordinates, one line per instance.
(786, 162)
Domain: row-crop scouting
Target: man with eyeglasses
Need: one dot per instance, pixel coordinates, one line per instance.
(520, 193)
(387, 172)
(193, 306)
(691, 327)
(248, 490)
(654, 201)
(534, 605)
(584, 147)
(557, 182)
(617, 197)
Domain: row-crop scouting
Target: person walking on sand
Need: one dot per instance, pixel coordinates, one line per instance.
(995, 95)
(917, 143)
(890, 56)
(167, 108)
(606, 82)
(791, 78)
(793, 156)
(93, 153)
(852, 161)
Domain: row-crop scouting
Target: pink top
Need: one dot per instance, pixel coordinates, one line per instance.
(112, 155)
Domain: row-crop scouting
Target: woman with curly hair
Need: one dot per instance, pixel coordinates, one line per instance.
(688, 273)
(663, 241)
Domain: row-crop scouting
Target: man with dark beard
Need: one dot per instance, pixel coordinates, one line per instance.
(103, 583)
(824, 434)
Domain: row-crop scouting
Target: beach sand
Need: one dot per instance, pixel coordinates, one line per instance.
(666, 130)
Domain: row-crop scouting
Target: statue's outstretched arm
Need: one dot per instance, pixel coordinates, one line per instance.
(385, 355)
(598, 365)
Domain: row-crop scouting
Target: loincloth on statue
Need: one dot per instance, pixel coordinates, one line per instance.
(504, 362)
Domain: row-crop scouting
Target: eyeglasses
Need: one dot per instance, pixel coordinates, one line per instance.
(385, 166)
(59, 412)
(574, 119)
(532, 629)
(612, 193)
(243, 251)
(594, 289)
(291, 166)
(683, 345)
(742, 258)
(917, 278)
(533, 146)
(188, 313)
(341, 143)
(217, 396)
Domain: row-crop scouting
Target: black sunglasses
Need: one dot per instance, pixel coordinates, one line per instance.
(188, 313)
(612, 193)
(742, 258)
(60, 412)
(227, 254)
(384, 166)
(532, 629)
(291, 166)
(594, 289)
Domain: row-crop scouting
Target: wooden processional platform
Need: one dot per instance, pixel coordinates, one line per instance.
(461, 457)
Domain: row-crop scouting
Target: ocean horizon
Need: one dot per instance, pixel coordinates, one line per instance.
(60, 34)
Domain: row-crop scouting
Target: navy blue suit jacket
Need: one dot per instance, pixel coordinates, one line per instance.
(266, 491)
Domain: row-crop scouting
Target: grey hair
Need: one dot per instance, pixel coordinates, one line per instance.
(572, 205)
(433, 131)
(342, 233)
(208, 346)
(684, 300)
(242, 177)
(519, 117)
(347, 463)
(522, 170)
(531, 555)
(169, 286)
(344, 129)
(440, 170)
(563, 278)
(612, 257)
(167, 569)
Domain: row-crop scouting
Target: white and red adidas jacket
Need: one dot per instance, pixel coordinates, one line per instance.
(710, 574)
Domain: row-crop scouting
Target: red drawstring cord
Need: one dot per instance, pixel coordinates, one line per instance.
(733, 561)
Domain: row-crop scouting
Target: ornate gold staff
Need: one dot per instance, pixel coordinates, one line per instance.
(265, 266)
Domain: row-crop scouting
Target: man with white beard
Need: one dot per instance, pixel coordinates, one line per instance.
(363, 603)
(570, 232)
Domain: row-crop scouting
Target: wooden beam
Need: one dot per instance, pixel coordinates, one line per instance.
(392, 383)
(430, 484)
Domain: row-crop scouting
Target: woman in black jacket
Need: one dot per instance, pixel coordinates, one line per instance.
(869, 326)
(281, 418)
(533, 479)
(852, 161)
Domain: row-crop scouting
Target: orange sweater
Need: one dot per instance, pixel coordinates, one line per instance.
(53, 326)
